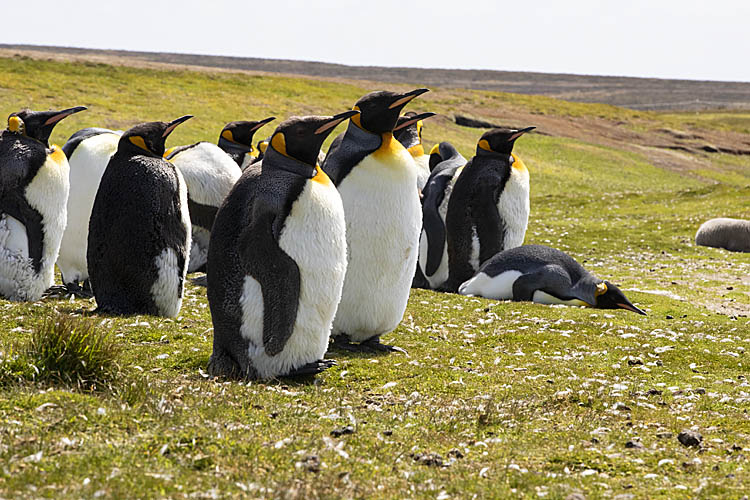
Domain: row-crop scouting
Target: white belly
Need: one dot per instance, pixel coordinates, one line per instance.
(423, 170)
(513, 207)
(87, 166)
(442, 272)
(383, 221)
(198, 248)
(208, 172)
(314, 236)
(499, 287)
(16, 272)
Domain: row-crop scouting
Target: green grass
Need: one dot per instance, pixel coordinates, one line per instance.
(519, 400)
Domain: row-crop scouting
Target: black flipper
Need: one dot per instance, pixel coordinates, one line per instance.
(551, 279)
(201, 215)
(276, 272)
(17, 207)
(433, 224)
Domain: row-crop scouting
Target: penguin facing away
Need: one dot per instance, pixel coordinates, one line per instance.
(139, 232)
(544, 275)
(236, 139)
(34, 190)
(375, 175)
(277, 260)
(447, 164)
(88, 152)
(408, 132)
(488, 210)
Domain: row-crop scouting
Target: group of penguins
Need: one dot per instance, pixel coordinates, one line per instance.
(298, 247)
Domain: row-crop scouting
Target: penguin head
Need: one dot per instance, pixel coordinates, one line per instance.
(149, 138)
(38, 124)
(241, 132)
(441, 152)
(408, 129)
(379, 110)
(500, 140)
(300, 138)
(609, 296)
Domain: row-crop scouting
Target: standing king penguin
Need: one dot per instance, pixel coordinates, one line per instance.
(376, 177)
(236, 139)
(277, 260)
(488, 210)
(139, 233)
(446, 165)
(408, 132)
(34, 189)
(88, 152)
(544, 275)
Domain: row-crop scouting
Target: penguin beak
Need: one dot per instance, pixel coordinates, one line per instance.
(630, 307)
(262, 122)
(415, 119)
(173, 124)
(331, 123)
(64, 113)
(403, 99)
(520, 133)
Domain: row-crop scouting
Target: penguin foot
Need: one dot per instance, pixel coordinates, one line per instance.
(311, 368)
(343, 342)
(374, 345)
(223, 365)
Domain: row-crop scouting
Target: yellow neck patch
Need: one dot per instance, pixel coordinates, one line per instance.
(138, 141)
(483, 144)
(356, 118)
(435, 149)
(520, 165)
(419, 129)
(169, 151)
(321, 177)
(57, 154)
(278, 142)
(15, 124)
(417, 150)
(263, 146)
(227, 134)
(253, 153)
(389, 147)
(601, 289)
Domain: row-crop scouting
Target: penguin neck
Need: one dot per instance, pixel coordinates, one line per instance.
(585, 289)
(485, 160)
(234, 147)
(276, 160)
(366, 139)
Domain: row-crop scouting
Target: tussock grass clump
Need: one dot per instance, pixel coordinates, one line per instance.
(75, 350)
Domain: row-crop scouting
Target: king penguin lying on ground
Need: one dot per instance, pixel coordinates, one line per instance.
(545, 275)
(33, 194)
(489, 207)
(376, 177)
(139, 233)
(277, 259)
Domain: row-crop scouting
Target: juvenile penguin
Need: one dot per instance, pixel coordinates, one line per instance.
(88, 152)
(210, 171)
(375, 175)
(408, 132)
(488, 210)
(139, 232)
(34, 189)
(447, 164)
(544, 275)
(277, 260)
(236, 139)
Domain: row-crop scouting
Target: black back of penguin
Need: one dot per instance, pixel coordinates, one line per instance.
(138, 217)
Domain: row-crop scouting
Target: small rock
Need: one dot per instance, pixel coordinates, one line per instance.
(624, 496)
(455, 453)
(341, 431)
(700, 390)
(635, 361)
(669, 316)
(653, 392)
(736, 447)
(428, 459)
(664, 435)
(634, 444)
(575, 496)
(388, 433)
(621, 407)
(690, 438)
(311, 463)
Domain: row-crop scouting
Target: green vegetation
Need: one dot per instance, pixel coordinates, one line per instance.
(517, 400)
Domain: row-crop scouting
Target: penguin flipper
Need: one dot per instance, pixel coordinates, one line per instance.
(278, 275)
(433, 223)
(490, 228)
(552, 279)
(17, 207)
(201, 215)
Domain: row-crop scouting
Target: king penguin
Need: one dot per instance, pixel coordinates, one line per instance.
(139, 232)
(88, 152)
(408, 132)
(376, 177)
(544, 275)
(488, 210)
(447, 164)
(210, 171)
(236, 139)
(277, 259)
(34, 189)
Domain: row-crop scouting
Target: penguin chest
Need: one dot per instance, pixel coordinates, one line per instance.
(208, 171)
(314, 236)
(514, 207)
(383, 222)
(87, 165)
(422, 163)
(48, 193)
(499, 287)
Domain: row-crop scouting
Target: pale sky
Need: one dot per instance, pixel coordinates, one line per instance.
(703, 40)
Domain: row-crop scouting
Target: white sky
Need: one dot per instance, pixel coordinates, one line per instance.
(706, 40)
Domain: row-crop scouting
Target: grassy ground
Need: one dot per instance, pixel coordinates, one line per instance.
(500, 400)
